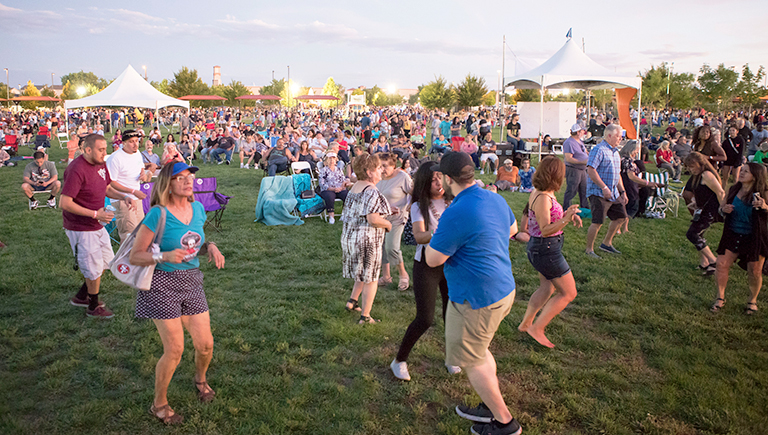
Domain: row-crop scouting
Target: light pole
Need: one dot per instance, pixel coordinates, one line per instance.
(289, 84)
(145, 72)
(51, 81)
(669, 79)
(7, 85)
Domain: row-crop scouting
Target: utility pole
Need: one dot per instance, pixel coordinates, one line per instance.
(669, 79)
(289, 83)
(503, 89)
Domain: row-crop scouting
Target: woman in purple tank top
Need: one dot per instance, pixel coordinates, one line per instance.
(546, 221)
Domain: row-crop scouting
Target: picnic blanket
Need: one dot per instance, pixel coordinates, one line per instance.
(276, 202)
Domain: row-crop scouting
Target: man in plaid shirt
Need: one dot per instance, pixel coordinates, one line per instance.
(605, 190)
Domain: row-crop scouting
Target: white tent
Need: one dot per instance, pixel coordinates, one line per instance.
(128, 90)
(571, 68)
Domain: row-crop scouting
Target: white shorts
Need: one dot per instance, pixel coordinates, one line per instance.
(93, 251)
(486, 156)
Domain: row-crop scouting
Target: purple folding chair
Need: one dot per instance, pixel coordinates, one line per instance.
(146, 189)
(213, 201)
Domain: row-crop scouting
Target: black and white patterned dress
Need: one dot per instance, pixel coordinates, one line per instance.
(360, 242)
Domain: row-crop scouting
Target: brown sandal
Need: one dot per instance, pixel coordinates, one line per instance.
(169, 415)
(207, 394)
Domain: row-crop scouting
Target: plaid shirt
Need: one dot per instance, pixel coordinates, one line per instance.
(607, 162)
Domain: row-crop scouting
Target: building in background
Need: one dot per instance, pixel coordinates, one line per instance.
(216, 75)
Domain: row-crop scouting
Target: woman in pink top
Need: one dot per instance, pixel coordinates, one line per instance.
(546, 221)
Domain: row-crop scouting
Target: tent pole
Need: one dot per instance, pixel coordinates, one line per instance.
(589, 111)
(639, 101)
(541, 120)
(66, 119)
(503, 90)
(157, 119)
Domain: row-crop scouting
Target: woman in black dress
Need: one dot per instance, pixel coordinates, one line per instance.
(733, 145)
(707, 196)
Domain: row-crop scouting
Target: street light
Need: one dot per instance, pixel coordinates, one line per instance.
(51, 80)
(7, 85)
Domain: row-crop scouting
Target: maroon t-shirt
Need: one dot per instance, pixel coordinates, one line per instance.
(87, 185)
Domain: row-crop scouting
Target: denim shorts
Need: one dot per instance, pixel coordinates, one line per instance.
(546, 256)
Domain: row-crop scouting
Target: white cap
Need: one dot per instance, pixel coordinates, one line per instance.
(576, 127)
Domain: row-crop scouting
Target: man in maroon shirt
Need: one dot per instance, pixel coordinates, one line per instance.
(86, 183)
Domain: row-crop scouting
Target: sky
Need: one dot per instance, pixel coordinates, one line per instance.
(389, 43)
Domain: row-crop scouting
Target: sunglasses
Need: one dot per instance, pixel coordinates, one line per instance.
(183, 178)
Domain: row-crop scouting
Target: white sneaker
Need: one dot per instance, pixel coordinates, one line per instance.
(33, 204)
(482, 171)
(495, 172)
(400, 370)
(52, 203)
(242, 166)
(247, 166)
(331, 220)
(454, 370)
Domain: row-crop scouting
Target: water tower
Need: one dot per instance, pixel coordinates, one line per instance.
(216, 75)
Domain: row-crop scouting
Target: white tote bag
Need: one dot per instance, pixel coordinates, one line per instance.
(138, 277)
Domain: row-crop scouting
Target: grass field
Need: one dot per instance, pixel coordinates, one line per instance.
(637, 351)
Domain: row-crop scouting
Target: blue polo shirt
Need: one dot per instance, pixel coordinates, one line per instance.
(474, 233)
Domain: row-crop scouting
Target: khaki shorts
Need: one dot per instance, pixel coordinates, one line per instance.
(468, 332)
(93, 251)
(126, 220)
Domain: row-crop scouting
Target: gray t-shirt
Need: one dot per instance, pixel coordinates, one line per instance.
(757, 137)
(397, 191)
(579, 151)
(40, 173)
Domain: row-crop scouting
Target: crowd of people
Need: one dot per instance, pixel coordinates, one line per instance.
(395, 187)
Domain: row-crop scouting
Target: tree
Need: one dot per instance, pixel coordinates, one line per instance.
(233, 90)
(718, 87)
(602, 97)
(749, 88)
(163, 86)
(276, 87)
(655, 83)
(84, 78)
(414, 99)
(489, 99)
(526, 95)
(371, 95)
(331, 88)
(30, 91)
(470, 92)
(4, 91)
(289, 98)
(187, 82)
(48, 92)
(437, 94)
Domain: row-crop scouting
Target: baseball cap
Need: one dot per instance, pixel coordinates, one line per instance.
(457, 165)
(180, 167)
(127, 134)
(576, 127)
(331, 154)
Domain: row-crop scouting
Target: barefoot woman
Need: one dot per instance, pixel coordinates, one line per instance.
(545, 225)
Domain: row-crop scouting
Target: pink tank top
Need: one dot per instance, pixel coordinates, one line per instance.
(555, 214)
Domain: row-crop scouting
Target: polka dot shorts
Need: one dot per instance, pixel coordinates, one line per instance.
(172, 295)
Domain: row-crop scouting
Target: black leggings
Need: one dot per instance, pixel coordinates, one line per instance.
(696, 231)
(426, 281)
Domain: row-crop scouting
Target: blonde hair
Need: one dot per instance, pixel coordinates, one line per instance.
(161, 191)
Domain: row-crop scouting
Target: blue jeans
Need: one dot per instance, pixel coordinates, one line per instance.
(205, 153)
(218, 151)
(519, 144)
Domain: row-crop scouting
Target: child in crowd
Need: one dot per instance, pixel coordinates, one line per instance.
(761, 156)
(526, 176)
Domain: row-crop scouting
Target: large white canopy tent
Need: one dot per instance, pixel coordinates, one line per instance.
(128, 90)
(571, 68)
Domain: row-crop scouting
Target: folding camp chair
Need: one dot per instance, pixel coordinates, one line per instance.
(307, 207)
(11, 144)
(213, 201)
(298, 167)
(665, 199)
(41, 140)
(43, 204)
(111, 227)
(59, 136)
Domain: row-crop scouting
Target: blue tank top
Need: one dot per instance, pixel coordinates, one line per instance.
(741, 217)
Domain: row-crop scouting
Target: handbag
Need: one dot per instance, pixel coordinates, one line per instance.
(138, 277)
(307, 194)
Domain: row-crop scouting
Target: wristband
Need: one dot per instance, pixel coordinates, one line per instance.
(622, 192)
(157, 258)
(606, 187)
(95, 212)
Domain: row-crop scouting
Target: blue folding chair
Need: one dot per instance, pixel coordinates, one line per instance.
(111, 227)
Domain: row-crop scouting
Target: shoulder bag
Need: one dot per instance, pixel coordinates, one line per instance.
(138, 277)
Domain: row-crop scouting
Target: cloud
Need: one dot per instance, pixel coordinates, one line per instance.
(670, 55)
(6, 9)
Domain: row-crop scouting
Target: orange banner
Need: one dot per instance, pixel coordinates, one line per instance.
(623, 97)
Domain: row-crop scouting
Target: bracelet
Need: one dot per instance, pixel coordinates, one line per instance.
(606, 187)
(95, 212)
(157, 258)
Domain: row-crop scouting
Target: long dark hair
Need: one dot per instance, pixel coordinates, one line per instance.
(422, 189)
(760, 185)
(701, 160)
(696, 140)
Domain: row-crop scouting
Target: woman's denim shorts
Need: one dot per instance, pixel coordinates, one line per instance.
(546, 256)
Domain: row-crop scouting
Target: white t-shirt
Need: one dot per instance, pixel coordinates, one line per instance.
(125, 169)
(416, 216)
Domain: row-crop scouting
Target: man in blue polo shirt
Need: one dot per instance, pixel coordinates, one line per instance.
(472, 240)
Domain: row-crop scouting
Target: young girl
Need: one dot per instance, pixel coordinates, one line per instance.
(526, 176)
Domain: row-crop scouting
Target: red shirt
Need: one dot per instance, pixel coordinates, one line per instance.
(667, 157)
(87, 185)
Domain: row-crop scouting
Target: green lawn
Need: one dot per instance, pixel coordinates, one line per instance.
(637, 351)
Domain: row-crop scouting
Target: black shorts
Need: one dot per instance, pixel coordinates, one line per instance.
(172, 295)
(546, 256)
(601, 208)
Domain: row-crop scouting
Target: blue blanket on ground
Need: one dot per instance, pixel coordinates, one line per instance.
(276, 202)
